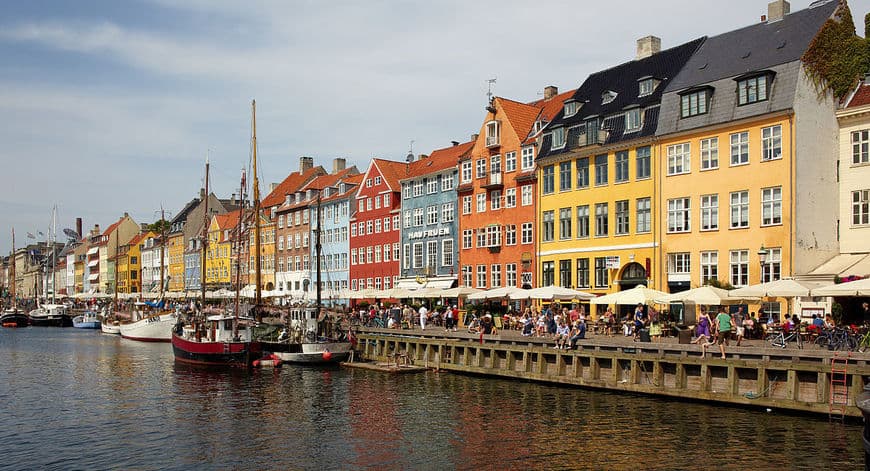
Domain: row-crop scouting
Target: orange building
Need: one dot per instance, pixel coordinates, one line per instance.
(497, 188)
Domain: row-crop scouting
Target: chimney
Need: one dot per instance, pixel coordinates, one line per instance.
(79, 227)
(305, 163)
(648, 46)
(272, 187)
(202, 193)
(474, 137)
(777, 10)
(338, 164)
(96, 230)
(233, 199)
(455, 143)
(126, 214)
(550, 91)
(143, 227)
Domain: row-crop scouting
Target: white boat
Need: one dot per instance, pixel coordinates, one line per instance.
(149, 326)
(88, 320)
(110, 326)
(54, 315)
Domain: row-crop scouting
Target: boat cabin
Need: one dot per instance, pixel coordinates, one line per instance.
(219, 328)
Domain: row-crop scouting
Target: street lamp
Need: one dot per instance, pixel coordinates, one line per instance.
(762, 258)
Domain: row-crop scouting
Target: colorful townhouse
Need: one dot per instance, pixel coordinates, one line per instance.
(374, 228)
(128, 262)
(497, 187)
(748, 168)
(192, 220)
(336, 201)
(430, 226)
(221, 257)
(596, 180)
(114, 236)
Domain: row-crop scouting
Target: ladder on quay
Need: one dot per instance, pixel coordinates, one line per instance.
(839, 386)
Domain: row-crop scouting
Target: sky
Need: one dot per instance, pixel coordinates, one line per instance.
(109, 107)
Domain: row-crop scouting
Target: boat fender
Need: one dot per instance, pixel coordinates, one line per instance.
(327, 355)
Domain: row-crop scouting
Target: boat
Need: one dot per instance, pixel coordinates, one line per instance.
(222, 340)
(51, 315)
(109, 325)
(13, 317)
(88, 320)
(150, 323)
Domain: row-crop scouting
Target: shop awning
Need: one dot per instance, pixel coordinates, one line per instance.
(93, 250)
(844, 265)
(93, 263)
(436, 283)
(93, 276)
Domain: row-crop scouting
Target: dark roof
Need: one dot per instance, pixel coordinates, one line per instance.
(624, 81)
(754, 47)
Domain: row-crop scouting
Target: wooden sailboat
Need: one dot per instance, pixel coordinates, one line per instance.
(221, 340)
(50, 313)
(12, 316)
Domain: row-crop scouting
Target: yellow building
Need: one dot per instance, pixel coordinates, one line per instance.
(219, 262)
(175, 247)
(128, 262)
(596, 187)
(748, 166)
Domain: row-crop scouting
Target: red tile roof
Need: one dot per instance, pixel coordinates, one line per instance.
(391, 171)
(861, 97)
(439, 160)
(293, 182)
(331, 179)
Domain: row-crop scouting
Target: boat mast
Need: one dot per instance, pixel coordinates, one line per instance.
(117, 257)
(162, 247)
(12, 286)
(204, 234)
(239, 244)
(256, 206)
(317, 249)
(52, 235)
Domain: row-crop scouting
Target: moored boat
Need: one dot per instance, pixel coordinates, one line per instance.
(88, 320)
(153, 328)
(110, 325)
(223, 340)
(303, 340)
(14, 317)
(51, 315)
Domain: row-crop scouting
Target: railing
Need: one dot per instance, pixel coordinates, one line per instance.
(495, 178)
(492, 141)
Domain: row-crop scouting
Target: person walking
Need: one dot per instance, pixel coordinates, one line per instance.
(723, 325)
(424, 316)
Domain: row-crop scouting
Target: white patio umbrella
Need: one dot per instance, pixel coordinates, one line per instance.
(706, 295)
(784, 288)
(640, 294)
(852, 288)
(495, 293)
(459, 292)
(551, 292)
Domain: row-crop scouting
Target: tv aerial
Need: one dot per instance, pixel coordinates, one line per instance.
(72, 234)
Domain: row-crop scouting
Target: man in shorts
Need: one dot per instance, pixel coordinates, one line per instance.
(723, 325)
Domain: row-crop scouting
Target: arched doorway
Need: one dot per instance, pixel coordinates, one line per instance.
(633, 274)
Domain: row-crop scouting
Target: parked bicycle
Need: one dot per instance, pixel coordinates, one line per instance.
(781, 339)
(838, 338)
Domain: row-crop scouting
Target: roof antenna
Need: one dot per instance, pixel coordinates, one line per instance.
(410, 156)
(489, 83)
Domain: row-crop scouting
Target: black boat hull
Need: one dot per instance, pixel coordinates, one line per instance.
(62, 321)
(18, 319)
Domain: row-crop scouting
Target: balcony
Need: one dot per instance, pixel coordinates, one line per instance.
(588, 139)
(492, 141)
(493, 180)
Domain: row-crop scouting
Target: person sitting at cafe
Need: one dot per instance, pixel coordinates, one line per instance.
(562, 335)
(577, 333)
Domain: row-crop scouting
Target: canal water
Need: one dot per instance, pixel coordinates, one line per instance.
(74, 399)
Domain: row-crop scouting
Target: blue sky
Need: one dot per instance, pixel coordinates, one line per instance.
(109, 107)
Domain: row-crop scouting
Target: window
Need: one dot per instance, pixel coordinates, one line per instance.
(643, 215)
(582, 272)
(467, 235)
(860, 207)
(495, 200)
(510, 270)
(481, 237)
(395, 251)
(694, 103)
(527, 233)
(418, 188)
(281, 221)
(526, 194)
(709, 266)
(606, 97)
(369, 255)
(466, 204)
(480, 168)
(565, 273)
(645, 87)
(740, 148)
(386, 226)
(571, 108)
(771, 270)
(418, 217)
(377, 202)
(547, 226)
(861, 147)
(633, 119)
(549, 176)
(432, 254)
(407, 220)
(492, 133)
(739, 267)
(368, 183)
(564, 223)
(621, 166)
(386, 201)
(377, 226)
(601, 278)
(406, 191)
(565, 176)
(621, 208)
(387, 253)
(582, 221)
(679, 159)
(528, 158)
(447, 212)
(643, 162)
(601, 220)
(679, 263)
(709, 212)
(481, 276)
(771, 206)
(418, 255)
(510, 198)
(771, 142)
(510, 234)
(446, 183)
(548, 273)
(495, 164)
(739, 209)
(709, 153)
(679, 215)
(432, 215)
(368, 204)
(601, 169)
(466, 171)
(582, 172)
(752, 90)
(466, 275)
(377, 251)
(481, 202)
(495, 274)
(558, 138)
(510, 161)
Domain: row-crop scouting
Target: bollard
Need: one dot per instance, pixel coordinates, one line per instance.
(863, 403)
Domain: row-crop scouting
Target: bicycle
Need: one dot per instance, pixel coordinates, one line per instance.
(780, 339)
(837, 339)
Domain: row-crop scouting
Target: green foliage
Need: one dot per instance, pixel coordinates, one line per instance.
(837, 57)
(866, 25)
(159, 227)
(720, 284)
(837, 313)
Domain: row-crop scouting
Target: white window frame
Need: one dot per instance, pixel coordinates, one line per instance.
(709, 266)
(739, 148)
(528, 158)
(771, 143)
(739, 209)
(860, 141)
(526, 195)
(481, 202)
(861, 208)
(467, 171)
(709, 153)
(527, 234)
(679, 158)
(679, 215)
(510, 161)
(771, 206)
(709, 212)
(739, 267)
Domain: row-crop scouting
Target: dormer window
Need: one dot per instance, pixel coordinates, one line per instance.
(608, 97)
(695, 102)
(753, 88)
(538, 126)
(571, 108)
(377, 181)
(492, 133)
(646, 86)
(558, 138)
(633, 119)
(368, 182)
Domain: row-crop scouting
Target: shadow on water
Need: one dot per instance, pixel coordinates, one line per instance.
(132, 407)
